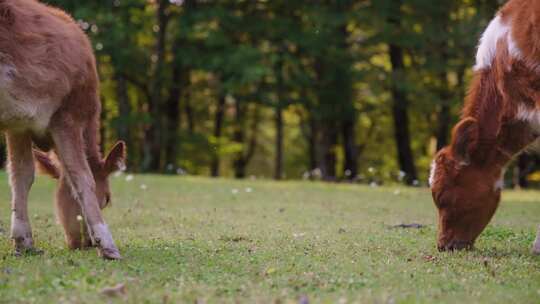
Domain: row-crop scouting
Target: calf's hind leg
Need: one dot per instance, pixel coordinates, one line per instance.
(21, 176)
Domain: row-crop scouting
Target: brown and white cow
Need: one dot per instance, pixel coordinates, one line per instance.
(500, 118)
(49, 97)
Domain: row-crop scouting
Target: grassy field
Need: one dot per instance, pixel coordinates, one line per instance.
(202, 240)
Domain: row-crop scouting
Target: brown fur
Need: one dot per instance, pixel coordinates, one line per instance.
(490, 133)
(49, 95)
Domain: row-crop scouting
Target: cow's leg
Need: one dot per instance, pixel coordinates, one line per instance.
(536, 246)
(68, 140)
(21, 175)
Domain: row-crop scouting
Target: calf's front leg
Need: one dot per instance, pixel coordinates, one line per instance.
(21, 176)
(71, 152)
(536, 246)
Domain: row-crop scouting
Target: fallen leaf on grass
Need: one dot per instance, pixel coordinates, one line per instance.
(234, 239)
(269, 271)
(115, 291)
(429, 258)
(409, 226)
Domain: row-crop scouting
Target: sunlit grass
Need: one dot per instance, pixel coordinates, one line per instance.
(196, 239)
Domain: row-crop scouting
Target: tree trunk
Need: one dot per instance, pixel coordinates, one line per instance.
(278, 119)
(238, 137)
(246, 154)
(445, 96)
(189, 116)
(351, 152)
(123, 124)
(444, 115)
(348, 115)
(218, 129)
(312, 143)
(173, 118)
(400, 105)
(400, 115)
(443, 128)
(154, 136)
(525, 165)
(328, 158)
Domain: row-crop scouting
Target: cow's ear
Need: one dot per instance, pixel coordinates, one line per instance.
(465, 140)
(46, 165)
(116, 159)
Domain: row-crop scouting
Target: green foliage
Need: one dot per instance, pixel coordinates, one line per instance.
(324, 64)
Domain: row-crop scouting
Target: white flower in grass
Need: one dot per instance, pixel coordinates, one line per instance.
(234, 191)
(144, 187)
(249, 190)
(129, 178)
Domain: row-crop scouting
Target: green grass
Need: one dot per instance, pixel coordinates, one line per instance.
(193, 239)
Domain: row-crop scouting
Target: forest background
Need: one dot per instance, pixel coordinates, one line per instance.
(338, 90)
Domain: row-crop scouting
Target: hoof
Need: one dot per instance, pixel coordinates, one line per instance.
(19, 252)
(109, 254)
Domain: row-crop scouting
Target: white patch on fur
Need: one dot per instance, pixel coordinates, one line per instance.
(432, 173)
(513, 49)
(19, 111)
(121, 165)
(529, 115)
(487, 48)
(499, 184)
(101, 232)
(536, 247)
(20, 228)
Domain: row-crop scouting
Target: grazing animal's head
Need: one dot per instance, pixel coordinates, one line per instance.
(466, 180)
(114, 161)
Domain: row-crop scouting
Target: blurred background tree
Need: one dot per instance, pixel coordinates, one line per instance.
(339, 90)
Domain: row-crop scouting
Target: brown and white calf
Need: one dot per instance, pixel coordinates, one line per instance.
(49, 97)
(500, 118)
